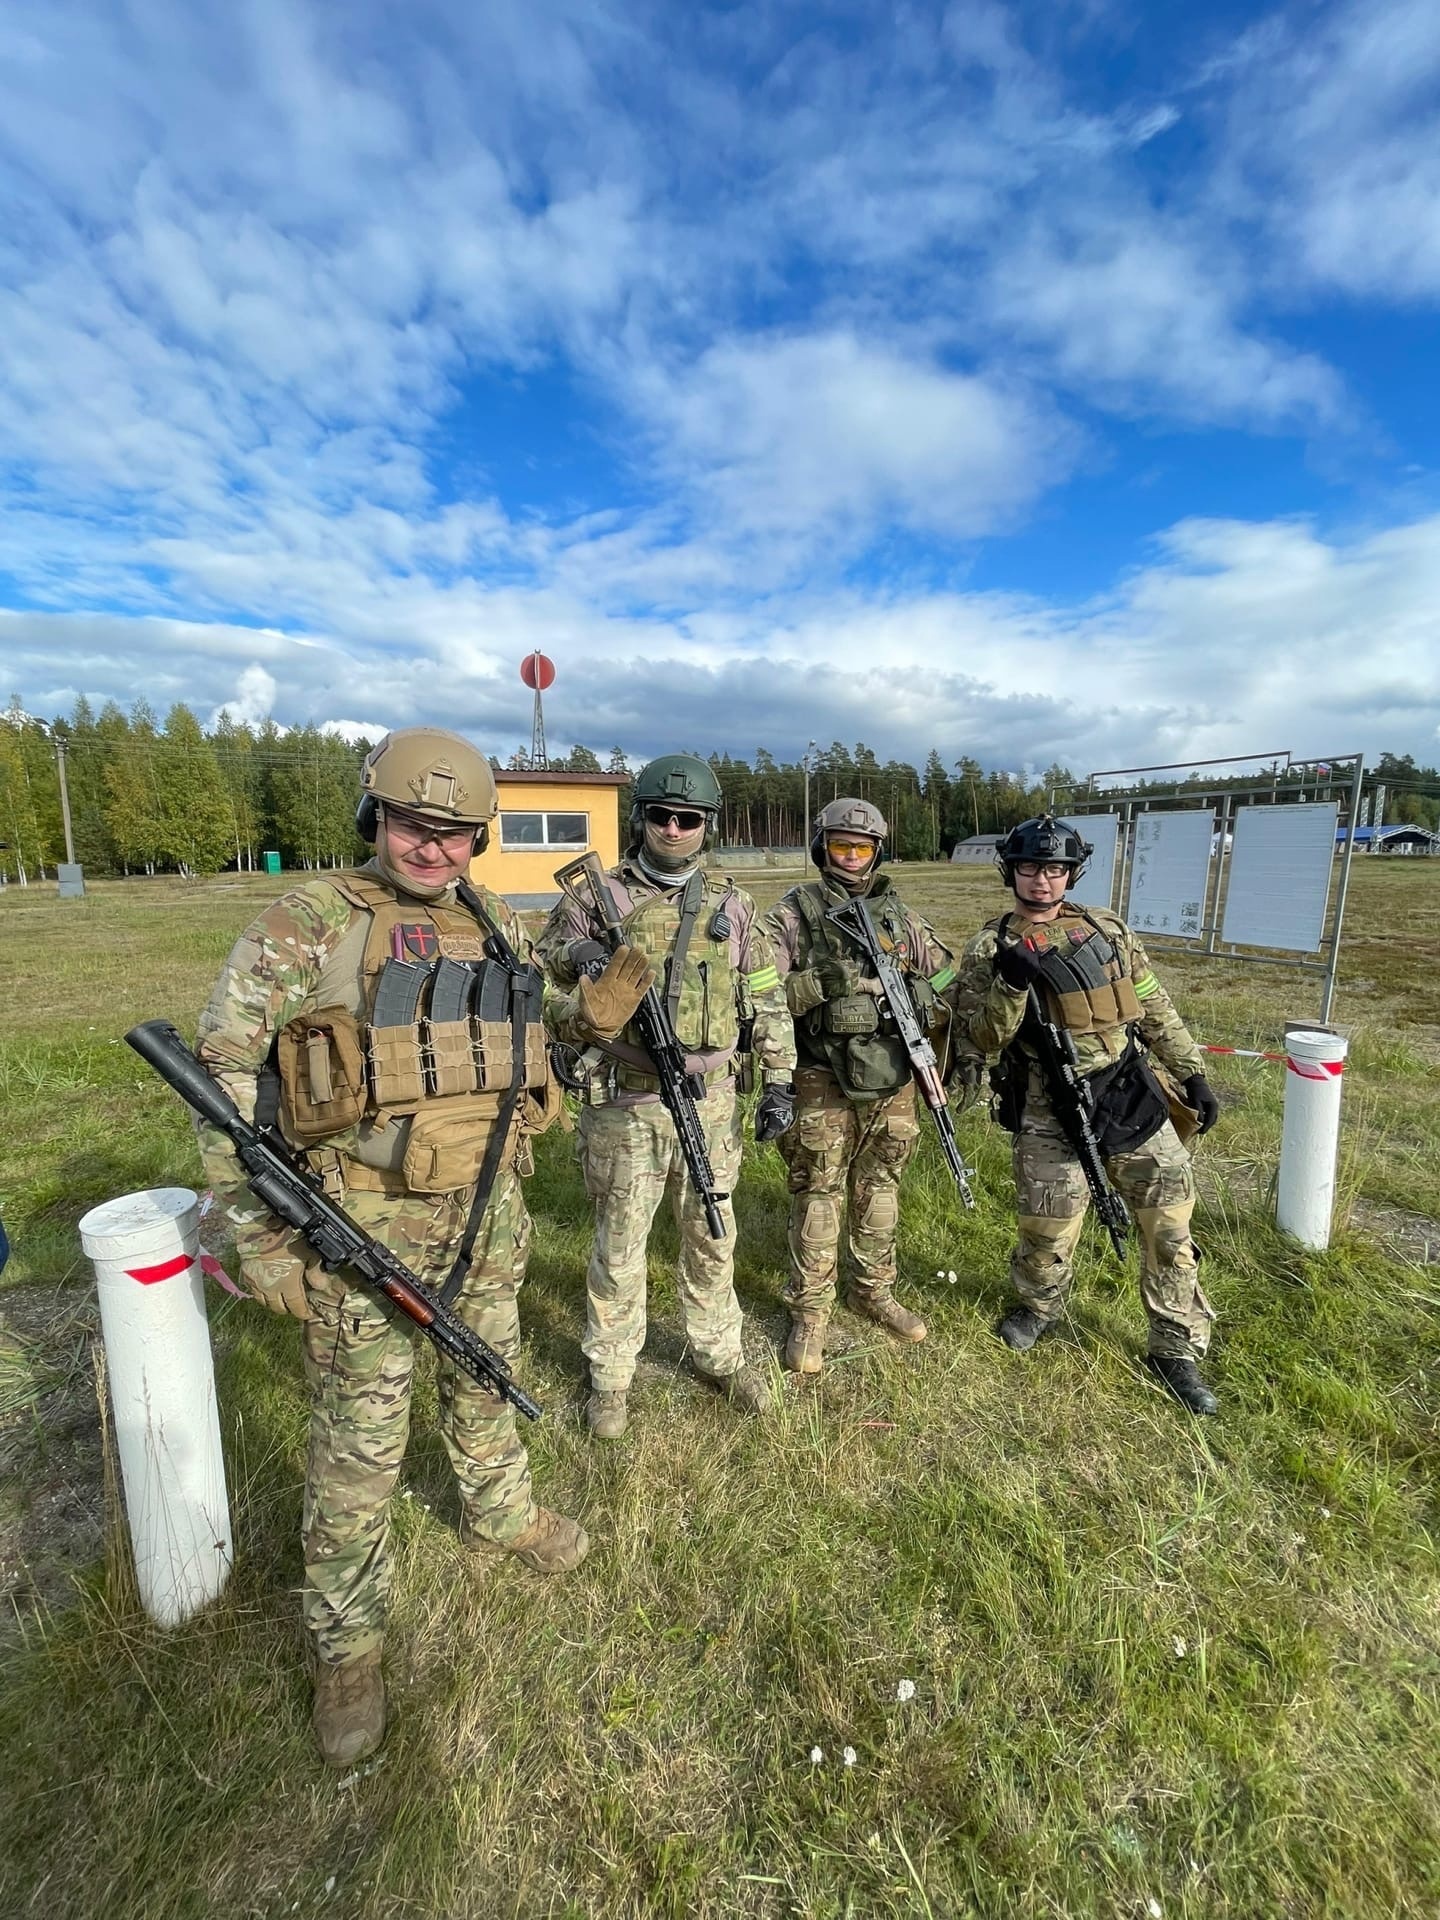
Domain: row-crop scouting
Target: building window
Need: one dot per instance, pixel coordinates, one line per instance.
(519, 832)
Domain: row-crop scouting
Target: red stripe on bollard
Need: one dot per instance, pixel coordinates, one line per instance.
(147, 1276)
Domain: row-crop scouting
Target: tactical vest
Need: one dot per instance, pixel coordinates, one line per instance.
(413, 1040)
(1084, 976)
(854, 1036)
(686, 933)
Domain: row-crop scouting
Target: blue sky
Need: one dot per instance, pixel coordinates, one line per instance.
(1034, 383)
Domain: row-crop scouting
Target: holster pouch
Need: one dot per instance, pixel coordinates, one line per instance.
(397, 1072)
(1008, 1078)
(321, 1063)
(745, 1056)
(444, 1150)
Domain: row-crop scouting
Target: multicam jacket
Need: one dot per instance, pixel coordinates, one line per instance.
(990, 1012)
(728, 979)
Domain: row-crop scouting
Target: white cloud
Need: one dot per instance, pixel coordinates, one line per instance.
(253, 700)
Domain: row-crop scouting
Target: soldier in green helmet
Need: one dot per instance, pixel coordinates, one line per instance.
(703, 940)
(421, 1155)
(856, 1125)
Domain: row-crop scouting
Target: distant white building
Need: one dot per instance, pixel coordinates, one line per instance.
(977, 851)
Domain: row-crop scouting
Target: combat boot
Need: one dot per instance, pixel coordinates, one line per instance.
(886, 1311)
(805, 1347)
(349, 1711)
(1022, 1327)
(1181, 1377)
(550, 1544)
(605, 1411)
(744, 1388)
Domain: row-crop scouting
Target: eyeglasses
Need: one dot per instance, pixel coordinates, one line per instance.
(840, 849)
(415, 831)
(686, 818)
(1052, 870)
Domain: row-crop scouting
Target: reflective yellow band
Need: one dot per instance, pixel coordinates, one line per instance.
(1146, 985)
(763, 980)
(939, 981)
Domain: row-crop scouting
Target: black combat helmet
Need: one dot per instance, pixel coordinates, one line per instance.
(1046, 839)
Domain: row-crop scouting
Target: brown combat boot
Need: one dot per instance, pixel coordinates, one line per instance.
(744, 1388)
(805, 1348)
(349, 1711)
(550, 1544)
(605, 1411)
(886, 1311)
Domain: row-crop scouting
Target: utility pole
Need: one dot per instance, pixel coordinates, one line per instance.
(72, 880)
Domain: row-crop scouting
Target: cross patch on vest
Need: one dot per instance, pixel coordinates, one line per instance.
(418, 938)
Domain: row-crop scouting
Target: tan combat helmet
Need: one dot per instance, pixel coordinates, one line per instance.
(432, 773)
(849, 816)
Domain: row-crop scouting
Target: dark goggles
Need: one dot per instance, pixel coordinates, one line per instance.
(686, 818)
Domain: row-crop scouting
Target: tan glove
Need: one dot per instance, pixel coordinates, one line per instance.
(273, 1259)
(606, 1004)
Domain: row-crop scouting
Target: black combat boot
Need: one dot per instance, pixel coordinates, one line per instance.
(1022, 1327)
(1182, 1379)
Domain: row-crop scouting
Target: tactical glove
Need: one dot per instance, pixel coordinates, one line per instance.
(273, 1260)
(607, 1004)
(775, 1112)
(1199, 1096)
(838, 976)
(1018, 965)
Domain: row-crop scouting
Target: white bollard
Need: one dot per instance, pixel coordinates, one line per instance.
(146, 1252)
(1305, 1193)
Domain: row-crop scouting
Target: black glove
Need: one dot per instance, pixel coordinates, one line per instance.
(1199, 1096)
(775, 1113)
(1018, 965)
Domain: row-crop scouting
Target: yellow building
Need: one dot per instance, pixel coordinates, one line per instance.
(545, 820)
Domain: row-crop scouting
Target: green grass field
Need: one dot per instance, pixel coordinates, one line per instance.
(1158, 1666)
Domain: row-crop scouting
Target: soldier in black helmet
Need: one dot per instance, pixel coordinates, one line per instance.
(1092, 977)
(857, 1126)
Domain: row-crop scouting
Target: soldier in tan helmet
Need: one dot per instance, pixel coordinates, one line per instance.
(856, 1124)
(319, 1014)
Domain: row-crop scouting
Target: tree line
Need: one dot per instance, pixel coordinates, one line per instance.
(148, 796)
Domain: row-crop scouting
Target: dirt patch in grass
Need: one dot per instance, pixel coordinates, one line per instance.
(52, 1503)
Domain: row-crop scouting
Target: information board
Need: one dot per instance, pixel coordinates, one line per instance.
(1280, 876)
(1096, 886)
(1169, 872)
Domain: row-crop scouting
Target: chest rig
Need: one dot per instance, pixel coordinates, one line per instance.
(687, 934)
(415, 1041)
(854, 1035)
(1083, 974)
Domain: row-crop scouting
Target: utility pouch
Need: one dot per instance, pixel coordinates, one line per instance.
(444, 1150)
(875, 1063)
(745, 1056)
(451, 1056)
(397, 1074)
(321, 1064)
(1007, 1091)
(1129, 1106)
(856, 1013)
(1183, 1117)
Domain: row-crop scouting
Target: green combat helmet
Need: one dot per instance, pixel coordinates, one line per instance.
(677, 778)
(432, 773)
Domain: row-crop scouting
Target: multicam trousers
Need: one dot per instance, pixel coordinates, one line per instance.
(359, 1363)
(1156, 1183)
(840, 1151)
(631, 1158)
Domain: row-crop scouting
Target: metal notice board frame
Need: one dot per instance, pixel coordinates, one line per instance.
(1283, 781)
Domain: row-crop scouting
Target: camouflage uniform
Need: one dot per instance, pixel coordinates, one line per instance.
(628, 1149)
(1154, 1178)
(847, 1142)
(358, 1362)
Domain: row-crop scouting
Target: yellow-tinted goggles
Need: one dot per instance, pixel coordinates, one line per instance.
(840, 849)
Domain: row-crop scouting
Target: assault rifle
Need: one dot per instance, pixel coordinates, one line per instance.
(291, 1191)
(854, 917)
(1072, 1098)
(679, 1089)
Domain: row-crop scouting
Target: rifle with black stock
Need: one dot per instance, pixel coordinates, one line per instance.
(679, 1089)
(854, 917)
(291, 1191)
(1071, 1097)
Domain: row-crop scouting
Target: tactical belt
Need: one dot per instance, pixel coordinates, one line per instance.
(631, 1080)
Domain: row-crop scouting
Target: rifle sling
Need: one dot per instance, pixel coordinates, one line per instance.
(495, 1145)
(690, 905)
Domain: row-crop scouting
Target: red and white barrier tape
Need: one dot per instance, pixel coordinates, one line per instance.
(1308, 1070)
